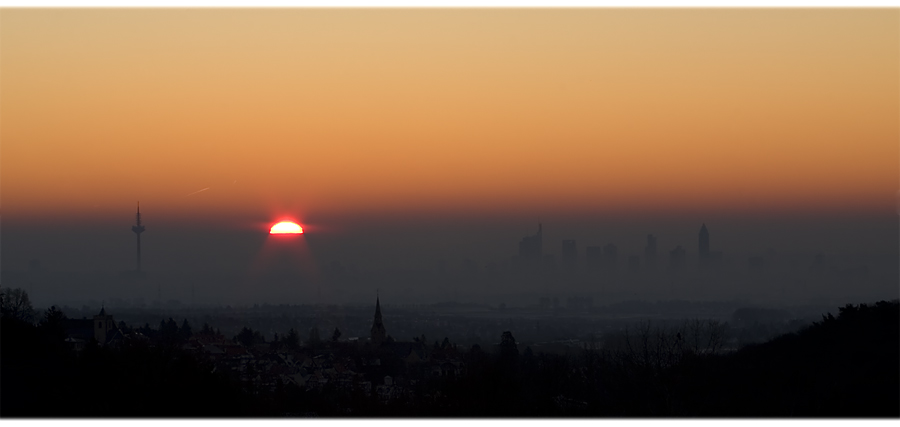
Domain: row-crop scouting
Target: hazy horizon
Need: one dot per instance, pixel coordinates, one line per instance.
(234, 264)
(417, 147)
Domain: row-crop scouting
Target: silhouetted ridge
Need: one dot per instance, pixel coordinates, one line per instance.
(842, 366)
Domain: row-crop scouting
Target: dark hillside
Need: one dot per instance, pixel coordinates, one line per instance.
(842, 366)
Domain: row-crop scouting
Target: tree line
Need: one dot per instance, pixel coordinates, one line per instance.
(845, 365)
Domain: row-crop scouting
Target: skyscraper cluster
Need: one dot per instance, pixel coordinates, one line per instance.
(605, 259)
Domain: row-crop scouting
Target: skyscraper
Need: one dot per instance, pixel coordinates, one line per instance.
(677, 259)
(650, 251)
(704, 243)
(138, 229)
(530, 248)
(707, 258)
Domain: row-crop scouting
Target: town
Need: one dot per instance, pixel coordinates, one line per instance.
(325, 371)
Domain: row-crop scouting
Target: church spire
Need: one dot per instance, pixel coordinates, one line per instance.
(378, 331)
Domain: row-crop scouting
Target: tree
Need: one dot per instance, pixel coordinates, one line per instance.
(53, 316)
(15, 304)
(54, 322)
(246, 337)
(292, 340)
(185, 331)
(509, 351)
(168, 331)
(528, 353)
(172, 327)
(206, 330)
(275, 344)
(336, 335)
(314, 339)
(146, 330)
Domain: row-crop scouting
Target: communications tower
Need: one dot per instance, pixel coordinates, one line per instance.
(138, 229)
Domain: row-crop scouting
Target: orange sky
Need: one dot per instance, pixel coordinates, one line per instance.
(355, 111)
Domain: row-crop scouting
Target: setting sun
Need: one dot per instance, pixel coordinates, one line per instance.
(286, 227)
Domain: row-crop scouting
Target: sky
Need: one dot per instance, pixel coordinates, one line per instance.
(408, 127)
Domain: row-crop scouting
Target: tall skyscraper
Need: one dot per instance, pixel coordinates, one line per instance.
(138, 229)
(708, 259)
(531, 248)
(704, 243)
(650, 251)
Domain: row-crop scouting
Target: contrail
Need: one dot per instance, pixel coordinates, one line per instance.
(207, 188)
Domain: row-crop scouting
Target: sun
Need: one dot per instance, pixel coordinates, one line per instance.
(286, 227)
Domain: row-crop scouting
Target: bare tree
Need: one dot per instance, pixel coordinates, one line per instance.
(14, 303)
(658, 347)
(703, 336)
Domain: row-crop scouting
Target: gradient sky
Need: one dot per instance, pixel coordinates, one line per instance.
(353, 112)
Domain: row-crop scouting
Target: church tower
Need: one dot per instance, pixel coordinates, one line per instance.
(103, 324)
(378, 332)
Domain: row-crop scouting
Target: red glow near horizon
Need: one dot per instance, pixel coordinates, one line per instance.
(286, 227)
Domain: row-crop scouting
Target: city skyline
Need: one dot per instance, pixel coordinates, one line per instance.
(568, 212)
(646, 266)
(401, 144)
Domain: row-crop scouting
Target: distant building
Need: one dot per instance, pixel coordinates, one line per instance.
(707, 258)
(78, 332)
(531, 247)
(103, 324)
(650, 252)
(378, 332)
(569, 255)
(138, 229)
(102, 328)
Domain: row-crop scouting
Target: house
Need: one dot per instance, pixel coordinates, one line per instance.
(102, 329)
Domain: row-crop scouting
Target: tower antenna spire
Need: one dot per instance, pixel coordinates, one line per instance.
(138, 229)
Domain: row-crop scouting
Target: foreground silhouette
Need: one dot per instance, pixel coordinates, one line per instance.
(842, 366)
